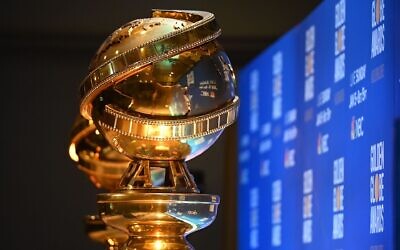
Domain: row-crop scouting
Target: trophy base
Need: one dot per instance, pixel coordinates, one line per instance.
(157, 221)
(151, 243)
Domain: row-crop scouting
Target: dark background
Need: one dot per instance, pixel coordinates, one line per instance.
(45, 51)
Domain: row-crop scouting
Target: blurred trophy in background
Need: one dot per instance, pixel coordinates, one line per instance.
(159, 92)
(104, 167)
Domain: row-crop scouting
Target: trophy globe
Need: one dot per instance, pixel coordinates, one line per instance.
(160, 91)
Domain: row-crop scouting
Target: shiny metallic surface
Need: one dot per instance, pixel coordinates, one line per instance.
(188, 84)
(92, 154)
(185, 110)
(160, 91)
(99, 232)
(175, 177)
(97, 159)
(165, 139)
(158, 221)
(179, 32)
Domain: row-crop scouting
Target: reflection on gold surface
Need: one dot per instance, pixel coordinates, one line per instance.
(95, 157)
(72, 152)
(99, 232)
(159, 92)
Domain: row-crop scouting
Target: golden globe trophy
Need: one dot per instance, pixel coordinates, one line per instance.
(160, 91)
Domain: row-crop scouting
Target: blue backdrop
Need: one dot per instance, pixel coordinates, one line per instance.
(317, 131)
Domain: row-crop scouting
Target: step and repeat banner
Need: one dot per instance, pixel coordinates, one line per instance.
(317, 148)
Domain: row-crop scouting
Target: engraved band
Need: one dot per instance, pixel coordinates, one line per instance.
(128, 63)
(166, 130)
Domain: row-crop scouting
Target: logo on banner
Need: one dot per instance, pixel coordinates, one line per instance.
(277, 68)
(276, 237)
(377, 166)
(254, 84)
(356, 127)
(340, 36)
(289, 158)
(378, 27)
(309, 64)
(265, 168)
(307, 206)
(322, 143)
(338, 199)
(254, 218)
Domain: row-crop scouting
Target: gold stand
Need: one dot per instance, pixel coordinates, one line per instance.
(157, 220)
(157, 216)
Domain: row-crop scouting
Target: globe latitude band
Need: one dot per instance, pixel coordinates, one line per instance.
(179, 129)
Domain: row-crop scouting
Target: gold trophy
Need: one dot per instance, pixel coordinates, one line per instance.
(160, 91)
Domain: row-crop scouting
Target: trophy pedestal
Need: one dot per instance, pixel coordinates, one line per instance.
(170, 243)
(158, 221)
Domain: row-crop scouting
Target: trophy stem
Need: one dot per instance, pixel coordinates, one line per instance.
(173, 176)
